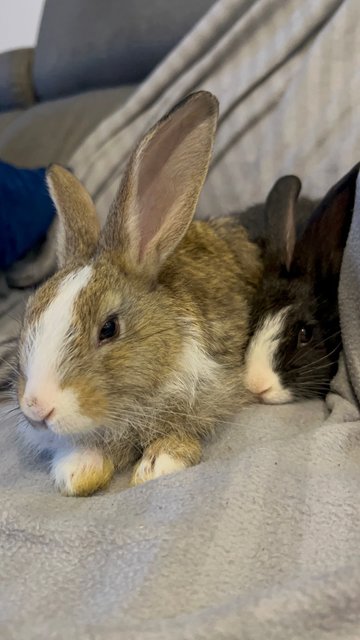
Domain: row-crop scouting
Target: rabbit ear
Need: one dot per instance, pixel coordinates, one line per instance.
(280, 210)
(158, 195)
(78, 227)
(323, 241)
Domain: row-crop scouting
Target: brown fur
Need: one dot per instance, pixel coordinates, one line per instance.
(181, 292)
(78, 235)
(87, 481)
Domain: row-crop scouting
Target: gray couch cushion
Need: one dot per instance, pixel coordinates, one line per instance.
(91, 43)
(6, 119)
(16, 86)
(52, 131)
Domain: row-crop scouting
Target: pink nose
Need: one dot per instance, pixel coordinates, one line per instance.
(260, 392)
(258, 387)
(37, 409)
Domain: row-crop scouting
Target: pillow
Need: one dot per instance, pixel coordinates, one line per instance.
(16, 86)
(90, 44)
(26, 211)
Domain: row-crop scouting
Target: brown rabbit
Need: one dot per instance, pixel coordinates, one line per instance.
(132, 351)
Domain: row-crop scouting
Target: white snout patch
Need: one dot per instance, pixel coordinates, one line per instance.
(260, 376)
(43, 350)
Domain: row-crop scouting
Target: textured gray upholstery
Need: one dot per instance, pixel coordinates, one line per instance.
(6, 118)
(90, 44)
(84, 49)
(16, 86)
(51, 131)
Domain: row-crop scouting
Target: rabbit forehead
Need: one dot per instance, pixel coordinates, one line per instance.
(52, 317)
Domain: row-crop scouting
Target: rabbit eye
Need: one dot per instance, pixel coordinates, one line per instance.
(305, 335)
(109, 330)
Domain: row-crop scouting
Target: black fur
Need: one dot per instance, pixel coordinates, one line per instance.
(302, 249)
(304, 369)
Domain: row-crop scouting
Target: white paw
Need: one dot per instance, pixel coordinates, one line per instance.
(80, 471)
(151, 467)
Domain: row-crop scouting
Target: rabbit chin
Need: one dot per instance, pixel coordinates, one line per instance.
(71, 425)
(59, 427)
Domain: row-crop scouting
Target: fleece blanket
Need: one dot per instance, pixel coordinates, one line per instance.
(261, 540)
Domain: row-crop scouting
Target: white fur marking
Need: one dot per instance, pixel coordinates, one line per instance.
(193, 367)
(260, 377)
(66, 465)
(44, 348)
(68, 417)
(46, 341)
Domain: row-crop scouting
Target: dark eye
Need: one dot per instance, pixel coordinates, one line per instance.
(304, 335)
(109, 330)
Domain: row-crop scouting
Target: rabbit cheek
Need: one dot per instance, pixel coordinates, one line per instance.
(261, 377)
(92, 402)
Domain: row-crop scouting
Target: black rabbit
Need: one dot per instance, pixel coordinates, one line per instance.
(295, 336)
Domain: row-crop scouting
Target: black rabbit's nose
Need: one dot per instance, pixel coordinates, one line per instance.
(261, 394)
(259, 388)
(263, 391)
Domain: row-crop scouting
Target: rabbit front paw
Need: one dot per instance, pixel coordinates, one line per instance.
(81, 472)
(166, 455)
(154, 466)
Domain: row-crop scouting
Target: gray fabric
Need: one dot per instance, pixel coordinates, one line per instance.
(287, 75)
(16, 85)
(261, 540)
(349, 298)
(90, 44)
(7, 117)
(184, 557)
(52, 131)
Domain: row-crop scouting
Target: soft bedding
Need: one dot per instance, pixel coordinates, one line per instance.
(261, 540)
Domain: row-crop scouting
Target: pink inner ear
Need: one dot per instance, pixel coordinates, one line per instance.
(165, 172)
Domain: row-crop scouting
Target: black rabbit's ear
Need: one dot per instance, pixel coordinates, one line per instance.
(280, 208)
(323, 241)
